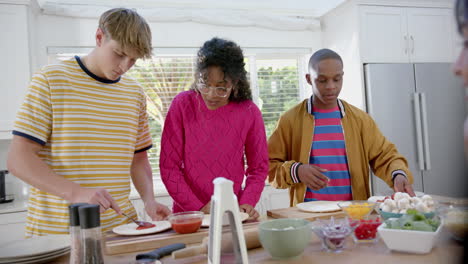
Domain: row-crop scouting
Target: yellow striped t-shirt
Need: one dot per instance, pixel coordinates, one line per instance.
(90, 129)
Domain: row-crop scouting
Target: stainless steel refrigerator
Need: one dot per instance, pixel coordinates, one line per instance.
(421, 109)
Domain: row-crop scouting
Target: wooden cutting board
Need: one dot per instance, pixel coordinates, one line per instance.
(117, 244)
(294, 212)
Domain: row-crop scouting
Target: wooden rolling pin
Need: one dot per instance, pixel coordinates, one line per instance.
(251, 241)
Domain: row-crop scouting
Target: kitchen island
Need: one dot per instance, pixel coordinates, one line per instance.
(446, 250)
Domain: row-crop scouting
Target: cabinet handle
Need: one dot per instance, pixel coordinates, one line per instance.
(419, 137)
(406, 43)
(427, 154)
(412, 44)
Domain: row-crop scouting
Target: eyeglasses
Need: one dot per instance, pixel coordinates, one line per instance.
(219, 91)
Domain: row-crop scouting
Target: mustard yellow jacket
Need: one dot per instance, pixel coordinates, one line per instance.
(291, 141)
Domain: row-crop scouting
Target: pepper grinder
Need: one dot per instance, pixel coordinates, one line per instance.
(90, 224)
(75, 233)
(225, 201)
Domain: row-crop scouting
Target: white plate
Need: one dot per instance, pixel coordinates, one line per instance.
(23, 248)
(206, 219)
(44, 258)
(131, 229)
(319, 206)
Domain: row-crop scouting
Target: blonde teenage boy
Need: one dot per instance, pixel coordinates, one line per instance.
(82, 131)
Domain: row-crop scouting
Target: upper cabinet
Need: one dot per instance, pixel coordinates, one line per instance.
(15, 70)
(406, 34)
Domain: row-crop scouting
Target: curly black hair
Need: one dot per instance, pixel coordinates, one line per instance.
(229, 57)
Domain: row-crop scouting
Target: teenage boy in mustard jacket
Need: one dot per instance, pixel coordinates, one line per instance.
(323, 147)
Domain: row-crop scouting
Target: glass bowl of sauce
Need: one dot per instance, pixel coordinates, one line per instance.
(186, 222)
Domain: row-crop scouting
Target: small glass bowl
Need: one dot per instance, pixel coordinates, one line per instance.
(332, 233)
(455, 220)
(358, 209)
(186, 222)
(365, 230)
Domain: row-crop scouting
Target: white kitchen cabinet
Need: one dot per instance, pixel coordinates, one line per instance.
(406, 34)
(15, 68)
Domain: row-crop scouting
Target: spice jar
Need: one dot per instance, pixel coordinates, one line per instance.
(75, 235)
(90, 224)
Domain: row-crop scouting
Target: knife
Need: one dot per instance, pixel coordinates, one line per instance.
(155, 255)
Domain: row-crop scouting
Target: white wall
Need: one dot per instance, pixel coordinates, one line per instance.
(337, 26)
(55, 31)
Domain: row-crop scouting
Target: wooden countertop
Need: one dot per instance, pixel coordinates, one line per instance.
(446, 250)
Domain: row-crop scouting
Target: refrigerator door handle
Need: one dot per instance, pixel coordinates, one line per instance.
(405, 37)
(412, 44)
(427, 154)
(419, 136)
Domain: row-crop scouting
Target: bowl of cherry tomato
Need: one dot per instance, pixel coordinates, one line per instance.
(365, 230)
(186, 222)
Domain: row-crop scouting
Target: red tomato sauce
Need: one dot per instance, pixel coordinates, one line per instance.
(185, 226)
(145, 227)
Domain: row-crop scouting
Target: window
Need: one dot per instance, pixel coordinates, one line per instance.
(277, 84)
(278, 87)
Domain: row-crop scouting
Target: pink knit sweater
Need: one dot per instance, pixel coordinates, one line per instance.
(199, 145)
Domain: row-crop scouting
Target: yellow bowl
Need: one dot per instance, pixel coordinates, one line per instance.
(357, 209)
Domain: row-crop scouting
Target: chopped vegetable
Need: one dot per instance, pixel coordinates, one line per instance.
(413, 220)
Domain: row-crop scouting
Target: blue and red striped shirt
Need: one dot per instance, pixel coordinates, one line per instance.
(328, 151)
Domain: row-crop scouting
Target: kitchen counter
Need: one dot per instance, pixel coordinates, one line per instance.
(446, 250)
(14, 206)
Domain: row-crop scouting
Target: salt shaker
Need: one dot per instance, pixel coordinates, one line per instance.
(75, 236)
(90, 224)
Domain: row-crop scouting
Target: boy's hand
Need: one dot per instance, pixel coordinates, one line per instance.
(98, 196)
(401, 184)
(312, 176)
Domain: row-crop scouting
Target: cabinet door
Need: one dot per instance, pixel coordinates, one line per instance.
(383, 34)
(431, 34)
(14, 70)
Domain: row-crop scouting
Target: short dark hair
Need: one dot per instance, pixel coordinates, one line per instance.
(461, 14)
(321, 55)
(229, 57)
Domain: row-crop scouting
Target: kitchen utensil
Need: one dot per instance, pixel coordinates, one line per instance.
(358, 209)
(319, 206)
(285, 238)
(207, 218)
(294, 212)
(33, 249)
(332, 233)
(138, 222)
(251, 239)
(388, 215)
(4, 198)
(186, 222)
(420, 242)
(225, 201)
(155, 255)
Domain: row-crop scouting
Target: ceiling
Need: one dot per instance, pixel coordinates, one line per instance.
(306, 8)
